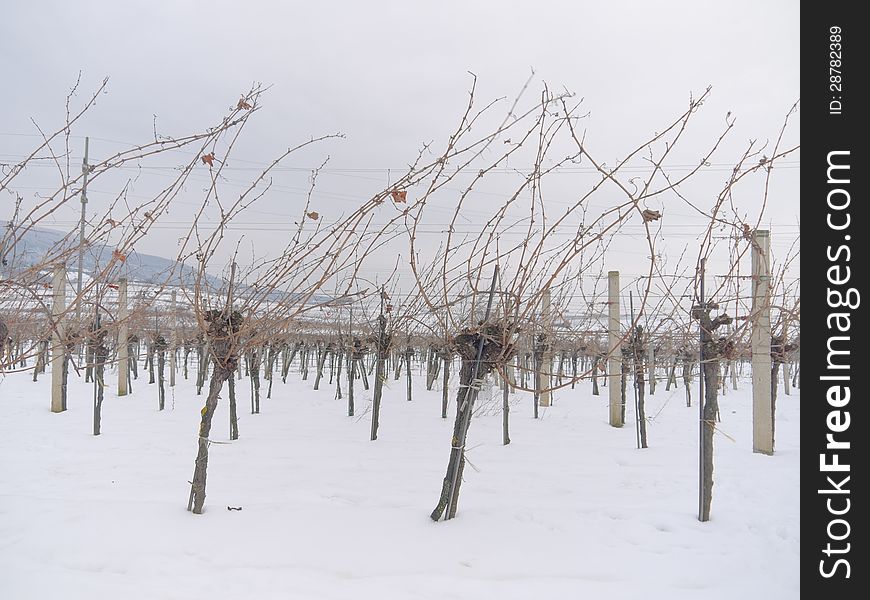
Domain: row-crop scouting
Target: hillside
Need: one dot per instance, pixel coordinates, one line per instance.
(141, 268)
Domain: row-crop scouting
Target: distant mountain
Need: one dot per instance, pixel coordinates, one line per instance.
(141, 268)
(145, 269)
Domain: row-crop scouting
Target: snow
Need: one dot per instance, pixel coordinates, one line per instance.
(570, 509)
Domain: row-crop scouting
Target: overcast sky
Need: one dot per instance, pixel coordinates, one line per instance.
(393, 75)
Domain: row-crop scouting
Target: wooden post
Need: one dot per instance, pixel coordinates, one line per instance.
(614, 362)
(651, 364)
(505, 414)
(173, 341)
(123, 349)
(58, 347)
(733, 370)
(786, 375)
(544, 368)
(762, 405)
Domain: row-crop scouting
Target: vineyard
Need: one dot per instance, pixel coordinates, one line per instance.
(456, 345)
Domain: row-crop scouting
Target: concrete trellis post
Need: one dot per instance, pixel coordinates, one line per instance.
(762, 402)
(544, 376)
(123, 350)
(614, 362)
(58, 347)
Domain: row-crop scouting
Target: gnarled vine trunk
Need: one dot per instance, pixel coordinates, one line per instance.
(221, 332)
(479, 351)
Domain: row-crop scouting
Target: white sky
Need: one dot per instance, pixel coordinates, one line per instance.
(393, 75)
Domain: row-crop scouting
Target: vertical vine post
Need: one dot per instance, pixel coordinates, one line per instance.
(546, 358)
(614, 360)
(222, 332)
(762, 398)
(467, 394)
(382, 350)
(58, 343)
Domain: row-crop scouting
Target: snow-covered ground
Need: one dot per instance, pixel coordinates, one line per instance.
(570, 509)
